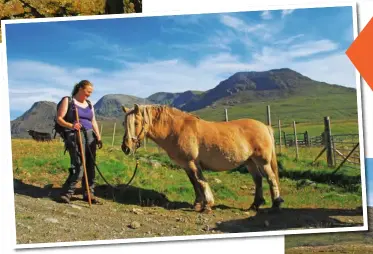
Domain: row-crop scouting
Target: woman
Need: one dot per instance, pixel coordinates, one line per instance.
(87, 123)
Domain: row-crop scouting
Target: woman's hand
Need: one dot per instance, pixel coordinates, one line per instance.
(77, 126)
(99, 144)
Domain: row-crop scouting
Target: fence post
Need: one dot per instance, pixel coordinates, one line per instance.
(296, 140)
(279, 132)
(306, 139)
(269, 115)
(226, 114)
(112, 143)
(328, 141)
(285, 142)
(101, 131)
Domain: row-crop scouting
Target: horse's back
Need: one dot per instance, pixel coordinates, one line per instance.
(239, 125)
(230, 143)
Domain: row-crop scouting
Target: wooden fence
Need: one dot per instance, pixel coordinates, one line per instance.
(341, 149)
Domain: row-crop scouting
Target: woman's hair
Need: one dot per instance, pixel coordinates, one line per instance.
(81, 84)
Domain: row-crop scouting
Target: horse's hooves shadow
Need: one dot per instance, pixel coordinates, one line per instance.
(287, 218)
(129, 195)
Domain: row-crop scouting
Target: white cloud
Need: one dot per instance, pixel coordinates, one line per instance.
(22, 98)
(311, 47)
(334, 69)
(286, 12)
(269, 56)
(103, 45)
(215, 42)
(233, 22)
(266, 15)
(240, 25)
(288, 40)
(174, 75)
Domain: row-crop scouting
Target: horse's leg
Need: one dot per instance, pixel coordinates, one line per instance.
(197, 189)
(207, 193)
(274, 187)
(258, 180)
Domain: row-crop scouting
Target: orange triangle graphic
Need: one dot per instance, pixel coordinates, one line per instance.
(360, 53)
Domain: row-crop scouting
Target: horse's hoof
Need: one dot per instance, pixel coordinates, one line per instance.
(277, 202)
(207, 210)
(257, 203)
(276, 206)
(198, 207)
(254, 207)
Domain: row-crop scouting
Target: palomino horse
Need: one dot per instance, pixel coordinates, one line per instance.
(194, 144)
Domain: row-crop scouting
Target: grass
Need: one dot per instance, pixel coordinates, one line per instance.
(302, 109)
(48, 165)
(348, 176)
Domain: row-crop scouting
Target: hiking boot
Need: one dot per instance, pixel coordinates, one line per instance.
(66, 198)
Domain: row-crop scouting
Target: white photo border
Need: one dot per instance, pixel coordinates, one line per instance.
(229, 9)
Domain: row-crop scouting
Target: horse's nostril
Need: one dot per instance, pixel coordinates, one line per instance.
(125, 149)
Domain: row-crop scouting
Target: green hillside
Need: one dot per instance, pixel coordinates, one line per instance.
(307, 111)
(302, 109)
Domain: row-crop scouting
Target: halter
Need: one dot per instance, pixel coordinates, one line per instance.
(136, 139)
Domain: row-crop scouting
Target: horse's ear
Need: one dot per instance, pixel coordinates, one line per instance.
(137, 108)
(125, 110)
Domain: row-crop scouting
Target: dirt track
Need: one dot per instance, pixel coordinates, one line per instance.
(40, 218)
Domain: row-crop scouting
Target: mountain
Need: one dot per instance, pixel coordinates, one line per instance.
(243, 87)
(292, 95)
(177, 100)
(163, 98)
(39, 117)
(109, 106)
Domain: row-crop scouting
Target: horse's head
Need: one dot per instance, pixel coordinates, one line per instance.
(135, 128)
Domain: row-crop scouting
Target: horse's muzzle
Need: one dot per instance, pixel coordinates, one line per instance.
(125, 150)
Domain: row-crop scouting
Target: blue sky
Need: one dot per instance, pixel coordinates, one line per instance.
(141, 56)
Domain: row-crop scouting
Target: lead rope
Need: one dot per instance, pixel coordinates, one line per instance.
(98, 170)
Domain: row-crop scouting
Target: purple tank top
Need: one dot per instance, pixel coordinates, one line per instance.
(85, 116)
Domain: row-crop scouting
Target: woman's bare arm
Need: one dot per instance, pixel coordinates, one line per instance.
(95, 125)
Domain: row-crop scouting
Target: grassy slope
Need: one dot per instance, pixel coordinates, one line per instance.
(47, 165)
(301, 109)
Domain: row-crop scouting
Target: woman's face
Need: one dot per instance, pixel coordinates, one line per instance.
(86, 91)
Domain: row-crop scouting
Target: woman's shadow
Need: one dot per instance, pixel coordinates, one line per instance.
(123, 194)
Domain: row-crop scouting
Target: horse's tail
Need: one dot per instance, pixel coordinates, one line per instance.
(274, 165)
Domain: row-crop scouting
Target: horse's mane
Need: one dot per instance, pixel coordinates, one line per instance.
(161, 112)
(172, 111)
